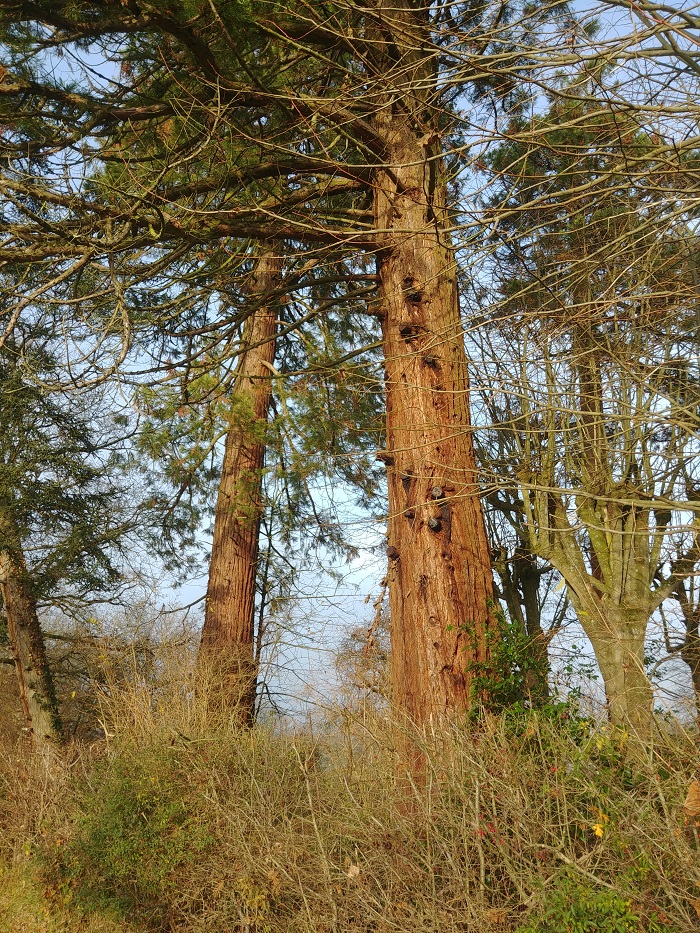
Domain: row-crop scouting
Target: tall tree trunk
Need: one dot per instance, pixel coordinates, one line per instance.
(440, 583)
(39, 704)
(229, 621)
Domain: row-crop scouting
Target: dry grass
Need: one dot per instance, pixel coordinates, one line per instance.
(24, 908)
(182, 822)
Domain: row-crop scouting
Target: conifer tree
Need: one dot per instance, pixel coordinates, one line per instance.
(63, 517)
(439, 570)
(228, 635)
(320, 127)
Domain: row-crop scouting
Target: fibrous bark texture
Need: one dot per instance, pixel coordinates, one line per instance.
(228, 633)
(440, 583)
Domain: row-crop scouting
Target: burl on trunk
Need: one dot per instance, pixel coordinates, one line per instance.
(440, 582)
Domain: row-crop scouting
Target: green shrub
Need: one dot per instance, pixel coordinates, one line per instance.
(517, 669)
(137, 832)
(574, 906)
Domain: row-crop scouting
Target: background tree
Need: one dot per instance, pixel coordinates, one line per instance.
(321, 427)
(63, 515)
(229, 618)
(689, 647)
(593, 310)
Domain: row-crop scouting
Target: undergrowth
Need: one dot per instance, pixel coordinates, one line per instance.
(532, 823)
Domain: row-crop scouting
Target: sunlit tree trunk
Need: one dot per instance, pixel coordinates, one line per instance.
(440, 583)
(42, 718)
(619, 651)
(228, 633)
(614, 610)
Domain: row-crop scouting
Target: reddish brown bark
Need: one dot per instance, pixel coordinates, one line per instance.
(39, 705)
(228, 633)
(440, 583)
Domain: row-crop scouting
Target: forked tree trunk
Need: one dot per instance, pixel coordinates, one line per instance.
(228, 635)
(620, 657)
(440, 583)
(42, 718)
(622, 594)
(613, 599)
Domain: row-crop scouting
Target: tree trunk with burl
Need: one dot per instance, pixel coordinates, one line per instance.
(440, 583)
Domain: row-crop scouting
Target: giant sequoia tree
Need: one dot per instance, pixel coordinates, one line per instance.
(330, 129)
(356, 140)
